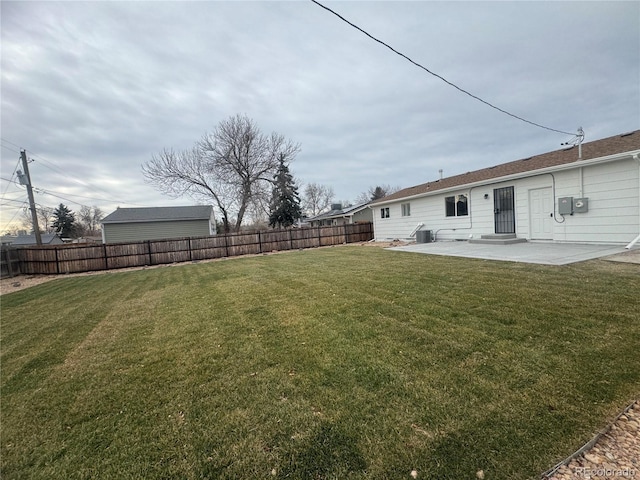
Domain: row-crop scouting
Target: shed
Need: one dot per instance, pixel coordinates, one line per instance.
(157, 223)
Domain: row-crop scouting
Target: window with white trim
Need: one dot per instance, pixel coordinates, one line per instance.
(456, 206)
(406, 209)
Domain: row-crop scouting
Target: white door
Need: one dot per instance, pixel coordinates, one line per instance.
(541, 213)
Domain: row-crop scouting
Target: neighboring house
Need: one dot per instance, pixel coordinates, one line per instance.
(30, 240)
(554, 196)
(156, 223)
(7, 239)
(341, 216)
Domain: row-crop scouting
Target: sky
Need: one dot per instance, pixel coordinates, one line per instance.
(91, 90)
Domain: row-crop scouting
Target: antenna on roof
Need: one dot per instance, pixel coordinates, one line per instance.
(579, 138)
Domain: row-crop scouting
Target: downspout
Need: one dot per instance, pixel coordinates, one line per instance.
(637, 239)
(581, 180)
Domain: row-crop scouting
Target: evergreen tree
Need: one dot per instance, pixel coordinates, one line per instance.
(285, 201)
(64, 221)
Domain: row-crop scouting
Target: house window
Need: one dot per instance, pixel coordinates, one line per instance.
(456, 206)
(384, 212)
(406, 209)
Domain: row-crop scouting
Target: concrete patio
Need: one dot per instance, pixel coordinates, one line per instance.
(545, 253)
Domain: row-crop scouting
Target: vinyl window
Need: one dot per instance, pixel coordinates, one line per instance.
(456, 206)
(406, 209)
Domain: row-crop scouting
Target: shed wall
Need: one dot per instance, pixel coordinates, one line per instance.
(133, 232)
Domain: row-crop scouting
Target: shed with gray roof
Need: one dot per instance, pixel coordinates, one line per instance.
(157, 223)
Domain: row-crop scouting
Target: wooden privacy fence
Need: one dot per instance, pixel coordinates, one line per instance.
(56, 259)
(9, 262)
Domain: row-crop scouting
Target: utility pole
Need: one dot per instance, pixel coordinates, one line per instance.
(26, 180)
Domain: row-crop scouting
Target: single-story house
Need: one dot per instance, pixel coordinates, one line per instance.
(156, 223)
(585, 193)
(341, 216)
(30, 240)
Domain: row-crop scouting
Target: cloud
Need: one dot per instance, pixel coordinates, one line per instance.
(96, 88)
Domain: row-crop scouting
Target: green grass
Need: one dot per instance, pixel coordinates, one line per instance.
(348, 362)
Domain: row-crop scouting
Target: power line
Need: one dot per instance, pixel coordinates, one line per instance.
(39, 190)
(51, 166)
(10, 149)
(19, 209)
(11, 180)
(11, 143)
(12, 200)
(51, 192)
(436, 75)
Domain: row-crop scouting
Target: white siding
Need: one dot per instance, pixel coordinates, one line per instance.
(613, 190)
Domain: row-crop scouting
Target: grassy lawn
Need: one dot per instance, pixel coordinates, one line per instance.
(346, 362)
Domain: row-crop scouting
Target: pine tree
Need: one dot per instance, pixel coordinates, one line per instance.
(285, 201)
(64, 221)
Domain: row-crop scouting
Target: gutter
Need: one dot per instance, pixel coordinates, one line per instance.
(531, 173)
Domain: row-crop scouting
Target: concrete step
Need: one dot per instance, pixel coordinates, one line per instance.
(499, 236)
(498, 239)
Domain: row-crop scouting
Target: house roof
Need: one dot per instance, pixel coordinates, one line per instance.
(31, 239)
(159, 214)
(599, 148)
(343, 212)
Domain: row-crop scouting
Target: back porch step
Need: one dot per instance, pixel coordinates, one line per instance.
(498, 239)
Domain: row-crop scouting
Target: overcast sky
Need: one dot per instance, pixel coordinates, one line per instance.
(92, 89)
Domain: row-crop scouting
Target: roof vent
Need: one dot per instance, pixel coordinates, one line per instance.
(627, 134)
(336, 206)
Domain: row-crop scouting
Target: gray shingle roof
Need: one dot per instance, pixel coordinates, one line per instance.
(599, 148)
(159, 214)
(339, 213)
(46, 238)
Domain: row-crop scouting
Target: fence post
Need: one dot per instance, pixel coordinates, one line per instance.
(346, 235)
(106, 261)
(149, 251)
(55, 249)
(319, 237)
(226, 245)
(8, 259)
(290, 240)
(190, 258)
(259, 241)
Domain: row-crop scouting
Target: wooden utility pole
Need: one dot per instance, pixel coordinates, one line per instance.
(32, 202)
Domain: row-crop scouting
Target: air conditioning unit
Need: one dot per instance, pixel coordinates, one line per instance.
(423, 236)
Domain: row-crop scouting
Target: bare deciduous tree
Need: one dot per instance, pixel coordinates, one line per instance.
(45, 219)
(89, 219)
(233, 166)
(317, 198)
(375, 193)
